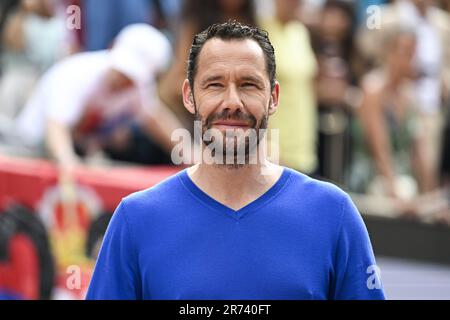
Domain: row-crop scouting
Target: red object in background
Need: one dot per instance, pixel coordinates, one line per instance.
(20, 274)
(26, 180)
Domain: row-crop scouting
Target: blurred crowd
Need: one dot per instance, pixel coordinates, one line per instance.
(365, 85)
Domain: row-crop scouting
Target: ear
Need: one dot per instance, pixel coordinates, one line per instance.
(188, 97)
(275, 96)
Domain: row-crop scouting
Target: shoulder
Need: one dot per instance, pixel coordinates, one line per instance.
(83, 63)
(79, 73)
(317, 192)
(321, 203)
(332, 205)
(153, 198)
(372, 86)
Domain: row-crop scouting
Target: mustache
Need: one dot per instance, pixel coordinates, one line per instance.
(225, 115)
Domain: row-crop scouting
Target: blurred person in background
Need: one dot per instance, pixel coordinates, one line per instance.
(296, 118)
(389, 150)
(104, 102)
(104, 19)
(33, 37)
(445, 156)
(445, 5)
(336, 91)
(310, 12)
(167, 16)
(197, 15)
(431, 62)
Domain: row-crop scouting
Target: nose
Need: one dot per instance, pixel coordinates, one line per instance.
(232, 100)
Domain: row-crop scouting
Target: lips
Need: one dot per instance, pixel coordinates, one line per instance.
(232, 124)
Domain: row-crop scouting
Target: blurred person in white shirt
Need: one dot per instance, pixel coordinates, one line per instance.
(98, 100)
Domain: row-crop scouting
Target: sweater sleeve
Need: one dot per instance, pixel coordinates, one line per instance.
(356, 275)
(116, 273)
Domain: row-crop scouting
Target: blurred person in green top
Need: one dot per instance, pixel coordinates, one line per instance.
(389, 149)
(296, 68)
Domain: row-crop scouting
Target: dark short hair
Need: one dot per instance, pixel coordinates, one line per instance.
(232, 30)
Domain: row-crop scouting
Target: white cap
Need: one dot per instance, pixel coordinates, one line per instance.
(140, 52)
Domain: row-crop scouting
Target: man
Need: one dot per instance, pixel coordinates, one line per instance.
(235, 231)
(102, 101)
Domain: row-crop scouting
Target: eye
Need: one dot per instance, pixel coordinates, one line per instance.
(214, 85)
(249, 85)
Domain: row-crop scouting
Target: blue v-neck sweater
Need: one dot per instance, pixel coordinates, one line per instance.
(302, 239)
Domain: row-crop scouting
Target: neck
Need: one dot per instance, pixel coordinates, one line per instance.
(235, 186)
(232, 176)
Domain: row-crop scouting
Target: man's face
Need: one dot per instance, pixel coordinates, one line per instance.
(335, 23)
(231, 90)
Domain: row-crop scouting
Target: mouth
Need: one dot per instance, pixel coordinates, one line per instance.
(230, 124)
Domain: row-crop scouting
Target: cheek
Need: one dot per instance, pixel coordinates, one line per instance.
(206, 103)
(256, 104)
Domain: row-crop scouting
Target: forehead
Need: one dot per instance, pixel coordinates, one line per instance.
(219, 55)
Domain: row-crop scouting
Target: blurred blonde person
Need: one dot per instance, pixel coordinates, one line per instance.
(431, 61)
(389, 153)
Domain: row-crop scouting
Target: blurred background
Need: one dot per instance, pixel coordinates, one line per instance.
(365, 97)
